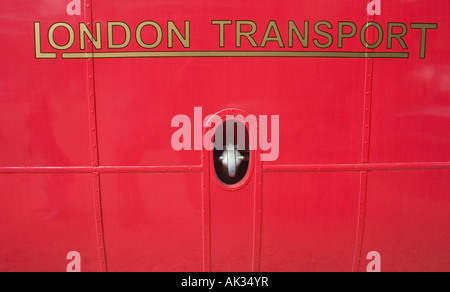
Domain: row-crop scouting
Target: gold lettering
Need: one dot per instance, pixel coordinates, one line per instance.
(37, 44)
(398, 36)
(127, 31)
(159, 35)
(247, 34)
(51, 36)
(221, 24)
(272, 26)
(423, 39)
(172, 28)
(84, 31)
(303, 39)
(342, 35)
(324, 34)
(364, 38)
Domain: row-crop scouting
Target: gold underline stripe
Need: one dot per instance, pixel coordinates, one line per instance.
(199, 54)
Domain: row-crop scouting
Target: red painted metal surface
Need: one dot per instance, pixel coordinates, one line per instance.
(87, 163)
(152, 223)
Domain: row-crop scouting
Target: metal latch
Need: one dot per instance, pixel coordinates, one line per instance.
(231, 159)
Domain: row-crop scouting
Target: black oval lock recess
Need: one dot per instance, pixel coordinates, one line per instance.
(231, 152)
